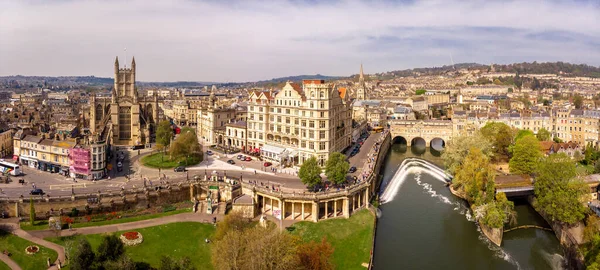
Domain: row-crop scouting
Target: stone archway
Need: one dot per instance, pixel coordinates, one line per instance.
(437, 144)
(399, 140)
(418, 141)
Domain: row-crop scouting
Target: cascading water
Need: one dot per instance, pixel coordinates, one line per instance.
(416, 232)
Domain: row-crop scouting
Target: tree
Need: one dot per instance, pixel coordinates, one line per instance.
(232, 222)
(457, 150)
(310, 172)
(124, 263)
(316, 255)
(526, 154)
(475, 179)
(557, 140)
(522, 133)
(543, 135)
(558, 193)
(31, 212)
(337, 168)
(578, 101)
(164, 133)
(185, 145)
(110, 249)
(420, 92)
(83, 256)
(597, 167)
(501, 136)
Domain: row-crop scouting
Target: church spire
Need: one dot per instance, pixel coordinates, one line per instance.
(133, 63)
(116, 64)
(361, 77)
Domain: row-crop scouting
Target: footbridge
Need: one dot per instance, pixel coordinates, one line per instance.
(421, 132)
(410, 166)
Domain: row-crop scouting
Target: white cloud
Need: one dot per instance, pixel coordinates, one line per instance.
(251, 40)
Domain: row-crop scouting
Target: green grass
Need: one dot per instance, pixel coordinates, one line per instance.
(3, 266)
(162, 161)
(584, 169)
(43, 224)
(175, 239)
(351, 238)
(16, 246)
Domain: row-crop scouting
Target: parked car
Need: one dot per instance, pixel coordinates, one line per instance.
(179, 169)
(231, 161)
(240, 157)
(248, 159)
(36, 191)
(209, 153)
(267, 164)
(352, 169)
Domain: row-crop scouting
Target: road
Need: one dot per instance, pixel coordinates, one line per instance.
(58, 185)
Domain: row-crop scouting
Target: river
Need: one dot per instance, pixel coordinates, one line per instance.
(426, 227)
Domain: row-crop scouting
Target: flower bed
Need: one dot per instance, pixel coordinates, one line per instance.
(32, 250)
(131, 238)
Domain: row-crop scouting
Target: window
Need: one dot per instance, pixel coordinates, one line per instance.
(287, 111)
(311, 124)
(311, 134)
(322, 146)
(322, 114)
(303, 144)
(322, 135)
(322, 105)
(311, 145)
(321, 124)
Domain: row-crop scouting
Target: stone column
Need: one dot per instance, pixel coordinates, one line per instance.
(264, 206)
(293, 216)
(367, 197)
(302, 210)
(335, 208)
(315, 211)
(326, 214)
(345, 208)
(281, 209)
(191, 192)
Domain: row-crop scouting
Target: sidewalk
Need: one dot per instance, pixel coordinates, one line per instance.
(8, 261)
(14, 229)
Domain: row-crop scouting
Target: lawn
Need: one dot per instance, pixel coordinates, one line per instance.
(16, 246)
(351, 238)
(175, 239)
(584, 169)
(43, 224)
(3, 266)
(162, 161)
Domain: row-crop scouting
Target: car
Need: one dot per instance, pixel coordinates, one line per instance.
(240, 157)
(248, 159)
(179, 169)
(352, 169)
(209, 153)
(36, 191)
(231, 161)
(267, 164)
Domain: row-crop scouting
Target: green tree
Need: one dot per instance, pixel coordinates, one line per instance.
(597, 167)
(420, 91)
(457, 150)
(522, 133)
(337, 168)
(83, 257)
(578, 101)
(543, 135)
(557, 140)
(164, 133)
(168, 263)
(310, 172)
(475, 178)
(186, 144)
(526, 154)
(558, 193)
(501, 136)
(124, 263)
(111, 248)
(31, 212)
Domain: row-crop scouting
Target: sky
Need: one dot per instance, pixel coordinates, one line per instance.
(236, 40)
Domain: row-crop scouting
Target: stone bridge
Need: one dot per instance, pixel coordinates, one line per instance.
(433, 133)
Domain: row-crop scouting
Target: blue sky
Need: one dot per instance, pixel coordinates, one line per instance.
(253, 40)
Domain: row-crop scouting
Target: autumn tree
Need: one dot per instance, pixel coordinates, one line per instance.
(316, 255)
(457, 150)
(578, 101)
(526, 154)
(310, 172)
(543, 135)
(558, 193)
(337, 168)
(234, 221)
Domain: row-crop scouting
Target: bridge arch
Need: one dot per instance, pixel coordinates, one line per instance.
(418, 141)
(399, 140)
(437, 143)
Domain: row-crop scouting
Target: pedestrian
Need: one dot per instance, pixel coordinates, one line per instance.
(254, 171)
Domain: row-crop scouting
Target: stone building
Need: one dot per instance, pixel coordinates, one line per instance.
(299, 122)
(211, 120)
(361, 90)
(131, 121)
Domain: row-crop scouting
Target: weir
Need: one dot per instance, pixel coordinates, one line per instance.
(410, 166)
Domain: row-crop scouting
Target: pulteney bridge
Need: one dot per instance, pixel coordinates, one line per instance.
(421, 132)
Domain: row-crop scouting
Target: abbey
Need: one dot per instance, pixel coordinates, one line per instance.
(129, 120)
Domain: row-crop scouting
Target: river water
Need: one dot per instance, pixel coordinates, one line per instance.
(426, 227)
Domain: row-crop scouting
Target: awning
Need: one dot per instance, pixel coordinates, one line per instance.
(292, 152)
(272, 149)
